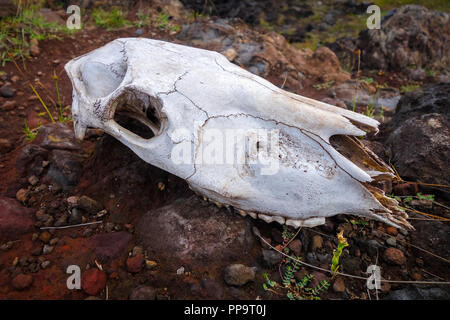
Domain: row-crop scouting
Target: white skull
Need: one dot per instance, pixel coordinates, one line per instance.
(192, 98)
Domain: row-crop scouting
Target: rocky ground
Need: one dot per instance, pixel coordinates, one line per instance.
(150, 237)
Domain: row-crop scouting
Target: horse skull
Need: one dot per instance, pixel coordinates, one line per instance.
(300, 161)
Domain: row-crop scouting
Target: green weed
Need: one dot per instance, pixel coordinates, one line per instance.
(17, 31)
(163, 22)
(110, 19)
(409, 88)
(342, 243)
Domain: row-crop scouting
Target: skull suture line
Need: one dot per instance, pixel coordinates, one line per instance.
(177, 93)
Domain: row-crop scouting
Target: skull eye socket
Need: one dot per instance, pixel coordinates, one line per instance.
(139, 113)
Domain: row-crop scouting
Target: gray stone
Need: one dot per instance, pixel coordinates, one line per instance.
(189, 229)
(271, 258)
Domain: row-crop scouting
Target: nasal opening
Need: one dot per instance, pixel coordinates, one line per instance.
(139, 113)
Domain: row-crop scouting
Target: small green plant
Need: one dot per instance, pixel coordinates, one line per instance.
(143, 19)
(358, 222)
(110, 19)
(425, 196)
(30, 134)
(430, 73)
(370, 110)
(164, 23)
(409, 88)
(325, 85)
(367, 80)
(296, 290)
(17, 31)
(354, 104)
(342, 243)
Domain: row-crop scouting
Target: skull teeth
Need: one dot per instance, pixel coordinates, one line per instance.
(253, 215)
(242, 213)
(311, 222)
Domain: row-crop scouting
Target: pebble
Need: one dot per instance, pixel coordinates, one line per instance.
(230, 53)
(22, 195)
(180, 270)
(150, 264)
(47, 249)
(45, 236)
(391, 241)
(45, 264)
(339, 285)
(6, 246)
(394, 256)
(93, 281)
(296, 246)
(135, 264)
(238, 274)
(137, 250)
(72, 201)
(317, 242)
(271, 257)
(22, 281)
(7, 92)
(9, 105)
(89, 205)
(75, 216)
(393, 231)
(33, 180)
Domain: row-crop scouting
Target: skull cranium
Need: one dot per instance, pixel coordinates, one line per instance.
(186, 97)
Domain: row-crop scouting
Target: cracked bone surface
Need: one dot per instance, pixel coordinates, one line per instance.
(170, 104)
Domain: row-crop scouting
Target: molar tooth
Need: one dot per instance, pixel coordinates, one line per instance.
(242, 213)
(265, 217)
(252, 214)
(313, 222)
(279, 219)
(294, 223)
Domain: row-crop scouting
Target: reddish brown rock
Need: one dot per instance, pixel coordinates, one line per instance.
(135, 264)
(15, 219)
(394, 256)
(339, 285)
(296, 246)
(93, 281)
(392, 231)
(110, 246)
(22, 281)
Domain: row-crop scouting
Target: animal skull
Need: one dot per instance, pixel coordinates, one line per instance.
(186, 97)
